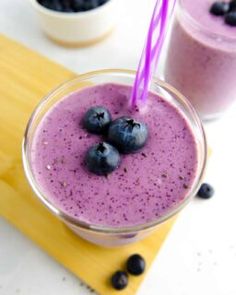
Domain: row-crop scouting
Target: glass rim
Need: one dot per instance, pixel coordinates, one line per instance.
(101, 228)
(205, 30)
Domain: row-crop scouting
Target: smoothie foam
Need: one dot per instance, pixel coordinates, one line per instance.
(146, 185)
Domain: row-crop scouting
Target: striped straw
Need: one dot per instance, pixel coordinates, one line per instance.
(150, 56)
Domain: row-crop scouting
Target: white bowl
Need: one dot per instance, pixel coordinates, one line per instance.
(80, 28)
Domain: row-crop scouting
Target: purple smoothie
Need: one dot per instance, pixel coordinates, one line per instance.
(147, 184)
(201, 59)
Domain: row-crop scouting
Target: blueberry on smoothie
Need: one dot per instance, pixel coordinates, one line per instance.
(219, 8)
(230, 18)
(97, 119)
(119, 280)
(127, 134)
(102, 159)
(136, 265)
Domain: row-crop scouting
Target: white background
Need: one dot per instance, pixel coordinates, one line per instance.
(199, 256)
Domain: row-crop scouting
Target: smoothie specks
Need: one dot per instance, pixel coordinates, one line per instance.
(147, 183)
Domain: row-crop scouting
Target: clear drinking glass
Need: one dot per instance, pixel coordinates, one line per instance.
(201, 64)
(102, 235)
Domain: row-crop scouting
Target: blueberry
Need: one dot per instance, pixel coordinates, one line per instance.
(45, 3)
(230, 18)
(51, 4)
(232, 5)
(68, 10)
(101, 2)
(71, 5)
(127, 134)
(219, 8)
(136, 265)
(102, 159)
(97, 119)
(66, 4)
(88, 5)
(119, 280)
(82, 5)
(77, 5)
(206, 191)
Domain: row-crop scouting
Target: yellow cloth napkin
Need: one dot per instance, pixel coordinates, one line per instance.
(25, 77)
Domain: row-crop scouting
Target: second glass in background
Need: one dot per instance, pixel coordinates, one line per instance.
(201, 61)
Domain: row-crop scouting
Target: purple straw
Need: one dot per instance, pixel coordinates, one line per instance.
(152, 49)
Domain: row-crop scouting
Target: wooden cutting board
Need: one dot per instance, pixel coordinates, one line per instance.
(25, 77)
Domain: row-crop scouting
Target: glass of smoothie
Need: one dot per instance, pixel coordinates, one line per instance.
(148, 187)
(201, 57)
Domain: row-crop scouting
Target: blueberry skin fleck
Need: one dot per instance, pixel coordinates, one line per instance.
(136, 265)
(97, 119)
(127, 134)
(102, 159)
(119, 280)
(230, 18)
(206, 191)
(219, 8)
